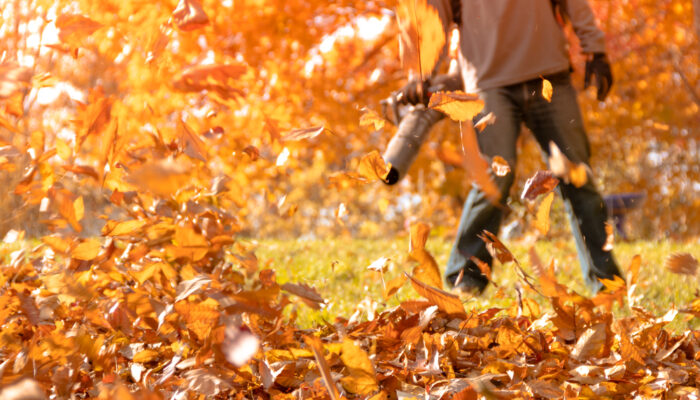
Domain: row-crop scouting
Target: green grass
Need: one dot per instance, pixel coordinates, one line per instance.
(337, 268)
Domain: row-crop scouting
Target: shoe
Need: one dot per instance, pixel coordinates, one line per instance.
(463, 283)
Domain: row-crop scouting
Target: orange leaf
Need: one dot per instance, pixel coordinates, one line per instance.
(393, 286)
(114, 228)
(421, 35)
(682, 263)
(457, 105)
(542, 221)
(547, 90)
(500, 166)
(86, 250)
(145, 355)
(75, 27)
(189, 15)
(163, 178)
(427, 270)
(447, 302)
(633, 269)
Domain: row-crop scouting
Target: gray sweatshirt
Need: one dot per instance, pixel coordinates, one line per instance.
(503, 42)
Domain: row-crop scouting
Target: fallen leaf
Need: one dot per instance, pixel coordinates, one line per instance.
(591, 343)
(447, 302)
(362, 376)
(317, 348)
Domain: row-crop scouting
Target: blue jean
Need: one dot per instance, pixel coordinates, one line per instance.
(558, 121)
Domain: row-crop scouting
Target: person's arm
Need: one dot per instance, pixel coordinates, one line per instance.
(583, 21)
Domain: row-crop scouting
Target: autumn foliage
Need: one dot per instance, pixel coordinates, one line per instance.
(139, 140)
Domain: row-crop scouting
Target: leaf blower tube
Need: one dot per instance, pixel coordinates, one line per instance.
(403, 147)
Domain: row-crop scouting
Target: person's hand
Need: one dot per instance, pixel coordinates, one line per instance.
(598, 65)
(414, 92)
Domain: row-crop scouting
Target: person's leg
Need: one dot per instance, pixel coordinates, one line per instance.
(479, 213)
(560, 121)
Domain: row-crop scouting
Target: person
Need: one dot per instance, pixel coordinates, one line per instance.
(506, 48)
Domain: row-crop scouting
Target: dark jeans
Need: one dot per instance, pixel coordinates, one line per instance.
(560, 122)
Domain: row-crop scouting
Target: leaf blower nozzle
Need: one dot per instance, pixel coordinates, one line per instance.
(413, 129)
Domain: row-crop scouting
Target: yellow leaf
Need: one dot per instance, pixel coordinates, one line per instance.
(633, 269)
(114, 228)
(421, 35)
(542, 221)
(457, 105)
(63, 149)
(87, 250)
(370, 117)
(447, 302)
(79, 208)
(547, 90)
(372, 166)
(362, 377)
(145, 356)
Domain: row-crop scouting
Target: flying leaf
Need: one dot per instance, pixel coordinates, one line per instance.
(540, 183)
(283, 157)
(547, 90)
(682, 263)
(371, 118)
(393, 286)
(362, 376)
(475, 165)
(485, 121)
(163, 177)
(500, 166)
(542, 221)
(457, 105)
(427, 271)
(373, 167)
(421, 35)
(189, 15)
(447, 302)
(304, 133)
(73, 27)
(86, 250)
(307, 294)
(118, 228)
(317, 348)
(633, 269)
(219, 79)
(563, 168)
(79, 208)
(191, 144)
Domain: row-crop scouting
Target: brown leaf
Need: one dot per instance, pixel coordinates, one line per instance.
(82, 170)
(421, 35)
(591, 343)
(542, 221)
(307, 294)
(547, 90)
(540, 183)
(317, 348)
(496, 248)
(304, 133)
(447, 302)
(189, 15)
(457, 105)
(29, 308)
(362, 376)
(682, 263)
(191, 144)
(218, 78)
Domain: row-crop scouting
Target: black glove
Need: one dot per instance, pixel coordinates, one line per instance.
(599, 66)
(414, 92)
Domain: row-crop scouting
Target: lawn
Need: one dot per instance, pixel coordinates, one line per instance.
(337, 268)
